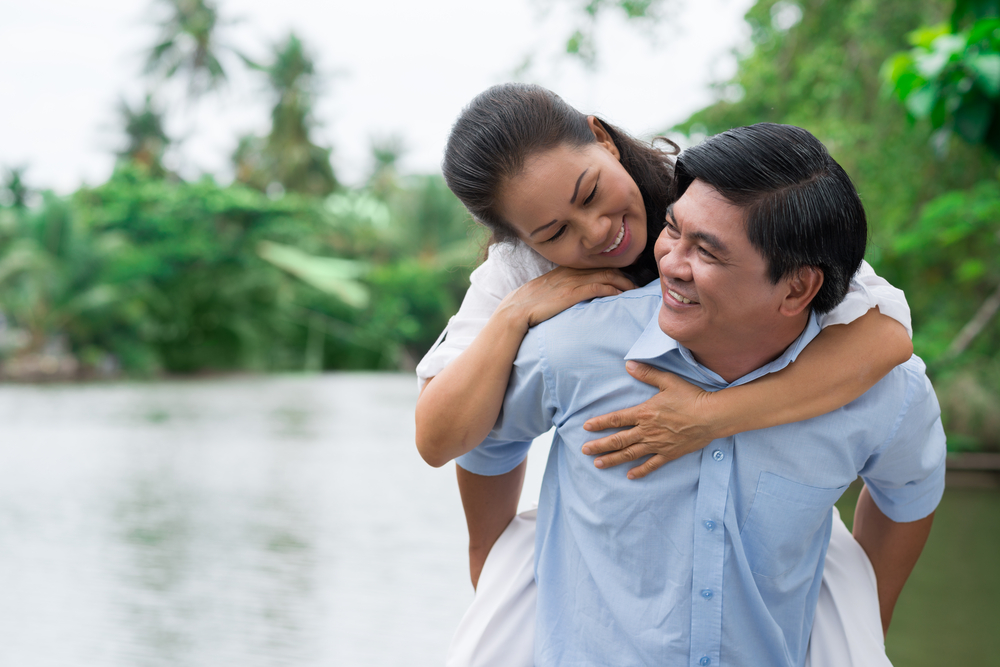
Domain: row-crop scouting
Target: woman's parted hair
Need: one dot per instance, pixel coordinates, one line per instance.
(504, 126)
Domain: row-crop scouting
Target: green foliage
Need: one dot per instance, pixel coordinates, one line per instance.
(288, 156)
(154, 275)
(931, 199)
(581, 43)
(952, 78)
(146, 138)
(188, 45)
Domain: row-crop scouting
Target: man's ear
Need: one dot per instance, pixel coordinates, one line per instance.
(803, 285)
(602, 136)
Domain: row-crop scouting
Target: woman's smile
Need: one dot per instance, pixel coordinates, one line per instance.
(578, 207)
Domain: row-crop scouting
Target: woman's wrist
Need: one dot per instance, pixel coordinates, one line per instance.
(718, 415)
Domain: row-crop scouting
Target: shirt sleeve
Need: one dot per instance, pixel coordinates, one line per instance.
(528, 411)
(868, 291)
(905, 476)
(506, 268)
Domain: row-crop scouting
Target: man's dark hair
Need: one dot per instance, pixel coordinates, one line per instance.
(801, 208)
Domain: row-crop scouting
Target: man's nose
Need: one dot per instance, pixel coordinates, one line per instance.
(594, 234)
(672, 262)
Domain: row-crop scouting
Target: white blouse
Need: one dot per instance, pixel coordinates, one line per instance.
(510, 265)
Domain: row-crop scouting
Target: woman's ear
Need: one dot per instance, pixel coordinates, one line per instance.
(803, 285)
(602, 136)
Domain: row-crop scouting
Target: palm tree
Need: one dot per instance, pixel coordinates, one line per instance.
(188, 44)
(288, 155)
(14, 188)
(147, 140)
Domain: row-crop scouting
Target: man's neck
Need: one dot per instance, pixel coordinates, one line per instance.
(757, 349)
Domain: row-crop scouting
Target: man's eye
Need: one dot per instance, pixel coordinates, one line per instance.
(590, 198)
(557, 234)
(705, 253)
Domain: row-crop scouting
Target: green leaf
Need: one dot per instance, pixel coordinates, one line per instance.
(987, 70)
(972, 119)
(971, 270)
(331, 275)
(920, 102)
(983, 29)
(925, 36)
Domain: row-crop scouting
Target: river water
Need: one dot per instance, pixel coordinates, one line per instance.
(241, 521)
(273, 521)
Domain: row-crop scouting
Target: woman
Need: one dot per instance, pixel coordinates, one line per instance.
(567, 190)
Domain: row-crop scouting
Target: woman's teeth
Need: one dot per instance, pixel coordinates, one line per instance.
(618, 239)
(678, 296)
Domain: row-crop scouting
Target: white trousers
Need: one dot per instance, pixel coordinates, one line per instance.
(498, 630)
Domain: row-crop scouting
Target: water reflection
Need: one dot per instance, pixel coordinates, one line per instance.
(275, 521)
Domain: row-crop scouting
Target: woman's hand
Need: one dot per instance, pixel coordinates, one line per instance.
(668, 426)
(548, 295)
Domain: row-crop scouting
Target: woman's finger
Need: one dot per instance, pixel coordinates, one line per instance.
(626, 455)
(648, 466)
(618, 419)
(613, 442)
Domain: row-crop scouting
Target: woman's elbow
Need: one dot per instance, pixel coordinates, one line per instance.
(428, 446)
(900, 344)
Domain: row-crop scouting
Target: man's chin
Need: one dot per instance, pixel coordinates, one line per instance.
(672, 324)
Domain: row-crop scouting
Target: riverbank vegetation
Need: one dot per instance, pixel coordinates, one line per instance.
(285, 268)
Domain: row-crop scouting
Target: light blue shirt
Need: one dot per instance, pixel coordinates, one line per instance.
(716, 558)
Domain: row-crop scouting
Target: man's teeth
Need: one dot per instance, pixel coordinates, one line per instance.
(618, 239)
(679, 297)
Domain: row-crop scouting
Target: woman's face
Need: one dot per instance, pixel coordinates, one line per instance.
(577, 206)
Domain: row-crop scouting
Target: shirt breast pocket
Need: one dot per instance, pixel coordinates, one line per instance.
(783, 519)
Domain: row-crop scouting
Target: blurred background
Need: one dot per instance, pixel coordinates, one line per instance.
(225, 242)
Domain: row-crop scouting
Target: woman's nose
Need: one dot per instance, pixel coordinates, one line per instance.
(595, 232)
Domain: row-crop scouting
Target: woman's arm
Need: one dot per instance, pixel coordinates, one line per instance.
(458, 409)
(840, 364)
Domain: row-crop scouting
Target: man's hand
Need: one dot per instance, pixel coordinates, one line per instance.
(893, 549)
(668, 426)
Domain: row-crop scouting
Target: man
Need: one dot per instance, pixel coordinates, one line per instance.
(717, 560)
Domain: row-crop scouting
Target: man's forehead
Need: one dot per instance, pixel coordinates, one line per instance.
(702, 212)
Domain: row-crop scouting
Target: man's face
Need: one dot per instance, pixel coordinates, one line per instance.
(717, 297)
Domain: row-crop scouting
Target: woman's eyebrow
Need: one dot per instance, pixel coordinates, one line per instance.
(576, 190)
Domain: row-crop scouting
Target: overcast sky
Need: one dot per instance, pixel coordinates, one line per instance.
(396, 67)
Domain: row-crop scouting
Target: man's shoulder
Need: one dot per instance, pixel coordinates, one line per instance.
(634, 306)
(593, 330)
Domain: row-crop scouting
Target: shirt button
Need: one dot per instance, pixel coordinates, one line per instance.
(718, 456)
(709, 525)
(707, 594)
(705, 660)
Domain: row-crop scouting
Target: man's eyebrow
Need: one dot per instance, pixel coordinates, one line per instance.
(711, 240)
(572, 200)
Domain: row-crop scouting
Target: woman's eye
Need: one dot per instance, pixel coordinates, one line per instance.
(557, 234)
(590, 198)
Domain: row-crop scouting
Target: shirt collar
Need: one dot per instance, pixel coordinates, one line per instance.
(658, 349)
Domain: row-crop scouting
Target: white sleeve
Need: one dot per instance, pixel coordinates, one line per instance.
(507, 267)
(868, 291)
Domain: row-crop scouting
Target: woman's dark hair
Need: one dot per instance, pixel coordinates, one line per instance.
(504, 126)
(801, 207)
